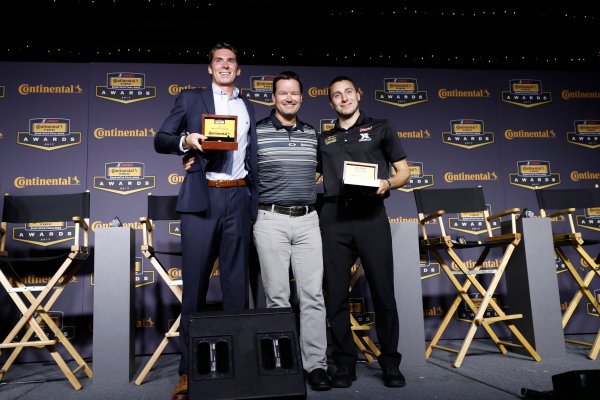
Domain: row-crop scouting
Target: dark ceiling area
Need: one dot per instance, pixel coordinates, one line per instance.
(409, 34)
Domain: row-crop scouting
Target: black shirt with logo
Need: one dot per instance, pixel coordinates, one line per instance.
(368, 140)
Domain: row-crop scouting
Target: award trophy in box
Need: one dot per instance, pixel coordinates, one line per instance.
(220, 132)
(361, 176)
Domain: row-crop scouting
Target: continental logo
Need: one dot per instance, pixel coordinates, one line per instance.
(472, 222)
(359, 312)
(21, 182)
(590, 219)
(465, 313)
(99, 224)
(578, 94)
(591, 307)
(526, 93)
(401, 92)
(523, 134)
(467, 133)
(175, 273)
(475, 93)
(428, 269)
(577, 176)
(418, 178)
(316, 92)
(2, 91)
(587, 134)
(175, 179)
(124, 178)
(126, 87)
(175, 89)
(413, 219)
(145, 323)
(420, 134)
(433, 311)
(101, 133)
(142, 277)
(44, 233)
(26, 88)
(36, 280)
(452, 177)
(534, 174)
(49, 134)
(261, 90)
(326, 125)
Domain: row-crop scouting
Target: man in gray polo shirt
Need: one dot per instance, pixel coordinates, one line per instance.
(286, 231)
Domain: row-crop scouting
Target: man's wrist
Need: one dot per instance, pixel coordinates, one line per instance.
(389, 184)
(184, 142)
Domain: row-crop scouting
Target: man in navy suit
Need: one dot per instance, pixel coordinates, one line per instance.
(218, 198)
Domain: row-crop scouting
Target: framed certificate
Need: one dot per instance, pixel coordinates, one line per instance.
(220, 132)
(361, 175)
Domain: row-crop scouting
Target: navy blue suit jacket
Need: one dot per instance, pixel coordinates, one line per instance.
(186, 115)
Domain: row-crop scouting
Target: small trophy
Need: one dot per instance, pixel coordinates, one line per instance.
(220, 132)
(362, 176)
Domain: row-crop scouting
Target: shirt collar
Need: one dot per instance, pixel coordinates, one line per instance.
(278, 125)
(217, 90)
(359, 121)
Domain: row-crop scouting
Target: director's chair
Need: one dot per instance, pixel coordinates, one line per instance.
(363, 342)
(161, 208)
(567, 201)
(434, 203)
(37, 212)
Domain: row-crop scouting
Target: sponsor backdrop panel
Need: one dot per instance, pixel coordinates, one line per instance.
(507, 131)
(43, 150)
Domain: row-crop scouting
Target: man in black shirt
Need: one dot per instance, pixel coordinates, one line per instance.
(356, 224)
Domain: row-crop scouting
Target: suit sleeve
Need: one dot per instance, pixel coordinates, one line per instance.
(168, 137)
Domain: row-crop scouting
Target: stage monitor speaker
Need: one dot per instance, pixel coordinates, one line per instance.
(577, 384)
(249, 354)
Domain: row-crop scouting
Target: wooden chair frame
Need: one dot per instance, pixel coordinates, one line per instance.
(574, 239)
(149, 252)
(444, 244)
(37, 312)
(363, 342)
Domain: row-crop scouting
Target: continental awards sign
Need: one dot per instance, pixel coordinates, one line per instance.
(534, 174)
(418, 178)
(472, 222)
(44, 233)
(49, 134)
(590, 220)
(326, 125)
(126, 87)
(526, 93)
(467, 133)
(261, 90)
(587, 134)
(401, 92)
(124, 178)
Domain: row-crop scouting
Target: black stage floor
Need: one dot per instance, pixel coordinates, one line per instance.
(484, 374)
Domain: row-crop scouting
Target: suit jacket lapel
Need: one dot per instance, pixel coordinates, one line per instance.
(209, 100)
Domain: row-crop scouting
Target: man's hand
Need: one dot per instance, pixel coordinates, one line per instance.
(384, 186)
(194, 141)
(187, 162)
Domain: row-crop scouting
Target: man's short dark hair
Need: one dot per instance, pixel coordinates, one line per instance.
(287, 75)
(340, 78)
(220, 46)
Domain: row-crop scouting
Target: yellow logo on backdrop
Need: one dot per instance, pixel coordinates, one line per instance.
(124, 178)
(523, 134)
(451, 177)
(49, 134)
(590, 219)
(467, 133)
(25, 89)
(99, 224)
(21, 182)
(587, 134)
(175, 179)
(577, 176)
(534, 174)
(401, 92)
(101, 133)
(126, 87)
(578, 94)
(472, 222)
(2, 90)
(314, 92)
(418, 178)
(420, 134)
(526, 93)
(44, 234)
(261, 90)
(475, 93)
(175, 89)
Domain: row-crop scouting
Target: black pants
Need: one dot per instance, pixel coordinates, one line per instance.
(350, 229)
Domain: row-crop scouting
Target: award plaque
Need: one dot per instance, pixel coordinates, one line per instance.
(361, 175)
(220, 132)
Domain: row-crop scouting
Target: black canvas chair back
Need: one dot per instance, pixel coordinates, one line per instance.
(564, 203)
(35, 310)
(434, 205)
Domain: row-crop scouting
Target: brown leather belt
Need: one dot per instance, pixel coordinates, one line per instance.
(225, 184)
(292, 211)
